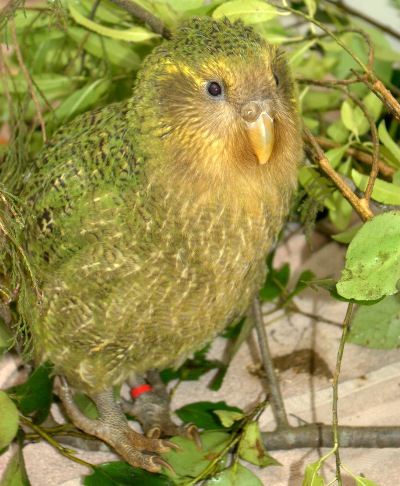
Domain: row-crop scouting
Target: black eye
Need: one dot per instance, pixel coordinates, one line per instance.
(214, 88)
(276, 79)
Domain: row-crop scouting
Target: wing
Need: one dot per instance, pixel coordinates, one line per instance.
(78, 184)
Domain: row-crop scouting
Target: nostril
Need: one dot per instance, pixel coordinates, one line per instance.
(251, 111)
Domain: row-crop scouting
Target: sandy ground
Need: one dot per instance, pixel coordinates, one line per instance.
(369, 387)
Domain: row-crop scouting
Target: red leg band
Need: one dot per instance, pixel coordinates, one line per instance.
(139, 390)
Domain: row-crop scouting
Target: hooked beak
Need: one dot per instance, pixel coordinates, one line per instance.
(260, 129)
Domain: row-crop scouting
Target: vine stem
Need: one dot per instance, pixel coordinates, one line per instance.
(235, 438)
(375, 139)
(381, 92)
(277, 404)
(346, 325)
(360, 205)
(62, 450)
(359, 154)
(367, 69)
(141, 13)
(356, 13)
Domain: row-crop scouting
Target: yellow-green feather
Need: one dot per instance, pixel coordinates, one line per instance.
(151, 220)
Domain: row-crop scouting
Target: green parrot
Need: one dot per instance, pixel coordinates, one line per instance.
(150, 219)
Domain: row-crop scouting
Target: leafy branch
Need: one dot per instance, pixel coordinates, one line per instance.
(91, 67)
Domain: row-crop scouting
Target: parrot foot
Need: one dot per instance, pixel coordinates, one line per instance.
(153, 411)
(112, 427)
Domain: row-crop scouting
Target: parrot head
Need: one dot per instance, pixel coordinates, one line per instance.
(221, 101)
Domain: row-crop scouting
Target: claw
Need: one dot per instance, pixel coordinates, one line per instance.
(172, 445)
(158, 460)
(154, 433)
(193, 434)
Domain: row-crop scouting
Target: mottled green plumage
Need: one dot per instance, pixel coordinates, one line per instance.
(153, 216)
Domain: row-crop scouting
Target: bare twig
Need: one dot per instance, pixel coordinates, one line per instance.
(358, 154)
(277, 404)
(317, 435)
(366, 68)
(139, 12)
(375, 139)
(356, 13)
(294, 309)
(368, 40)
(335, 423)
(382, 93)
(62, 450)
(359, 205)
(28, 78)
(329, 83)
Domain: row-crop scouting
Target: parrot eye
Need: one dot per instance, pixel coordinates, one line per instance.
(276, 79)
(214, 89)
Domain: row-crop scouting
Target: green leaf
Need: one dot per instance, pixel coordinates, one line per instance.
(373, 259)
(311, 123)
(330, 285)
(311, 477)
(244, 326)
(116, 52)
(383, 192)
(134, 34)
(191, 462)
(383, 49)
(388, 142)
(318, 100)
(86, 405)
(251, 11)
(122, 474)
(336, 154)
(35, 396)
(54, 85)
(353, 117)
(15, 474)
(374, 106)
(317, 186)
(236, 475)
(228, 418)
(340, 213)
(6, 336)
(300, 284)
(193, 368)
(106, 12)
(233, 331)
(350, 117)
(338, 132)
(311, 7)
(348, 235)
(364, 481)
(8, 420)
(275, 281)
(251, 448)
(164, 10)
(378, 326)
(202, 414)
(185, 5)
(82, 99)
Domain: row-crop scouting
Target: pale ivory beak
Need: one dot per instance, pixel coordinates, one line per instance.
(260, 129)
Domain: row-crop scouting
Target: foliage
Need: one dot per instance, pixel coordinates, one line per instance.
(378, 326)
(9, 423)
(65, 58)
